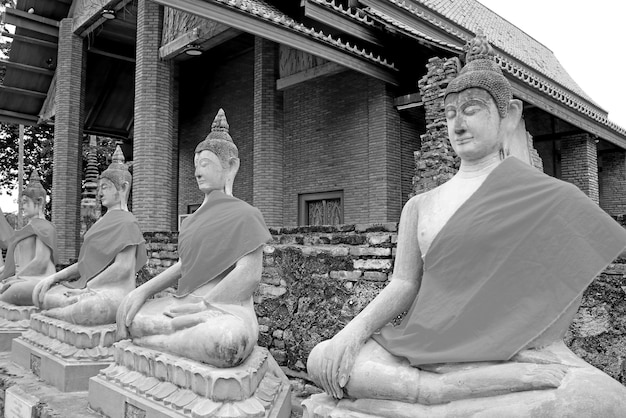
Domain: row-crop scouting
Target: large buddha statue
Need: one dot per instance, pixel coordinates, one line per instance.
(90, 291)
(31, 250)
(210, 319)
(490, 269)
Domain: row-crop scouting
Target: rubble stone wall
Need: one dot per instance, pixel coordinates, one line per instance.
(316, 279)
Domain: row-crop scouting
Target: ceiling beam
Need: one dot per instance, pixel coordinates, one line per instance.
(205, 40)
(31, 21)
(111, 55)
(23, 92)
(8, 116)
(281, 34)
(329, 68)
(30, 40)
(91, 20)
(25, 67)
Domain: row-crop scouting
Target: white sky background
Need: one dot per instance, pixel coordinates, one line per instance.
(586, 37)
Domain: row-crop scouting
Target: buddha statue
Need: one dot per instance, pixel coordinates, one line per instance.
(31, 250)
(490, 269)
(210, 319)
(89, 292)
(194, 353)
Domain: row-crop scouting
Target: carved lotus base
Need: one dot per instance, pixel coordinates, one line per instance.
(15, 317)
(150, 383)
(14, 320)
(69, 341)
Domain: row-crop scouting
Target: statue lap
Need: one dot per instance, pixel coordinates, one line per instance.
(223, 336)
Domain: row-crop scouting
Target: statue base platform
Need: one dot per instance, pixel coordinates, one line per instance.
(63, 354)
(152, 384)
(14, 320)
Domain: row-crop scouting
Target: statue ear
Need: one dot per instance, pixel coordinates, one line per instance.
(515, 137)
(233, 168)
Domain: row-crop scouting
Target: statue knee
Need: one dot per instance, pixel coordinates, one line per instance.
(228, 349)
(314, 361)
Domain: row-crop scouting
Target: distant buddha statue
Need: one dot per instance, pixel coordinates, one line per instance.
(490, 268)
(90, 291)
(31, 250)
(211, 318)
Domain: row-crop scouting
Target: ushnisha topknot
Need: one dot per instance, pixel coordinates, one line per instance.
(481, 71)
(34, 189)
(218, 141)
(118, 172)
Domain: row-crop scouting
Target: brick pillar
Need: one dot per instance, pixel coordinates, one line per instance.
(267, 180)
(68, 139)
(612, 181)
(383, 154)
(154, 145)
(435, 162)
(579, 163)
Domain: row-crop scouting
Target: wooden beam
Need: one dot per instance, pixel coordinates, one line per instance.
(111, 55)
(31, 21)
(338, 21)
(84, 25)
(30, 40)
(281, 34)
(23, 92)
(408, 101)
(9, 116)
(329, 68)
(198, 37)
(29, 68)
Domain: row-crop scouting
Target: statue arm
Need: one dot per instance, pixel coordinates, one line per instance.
(341, 351)
(36, 266)
(122, 269)
(241, 282)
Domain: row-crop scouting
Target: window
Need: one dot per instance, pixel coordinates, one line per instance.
(321, 208)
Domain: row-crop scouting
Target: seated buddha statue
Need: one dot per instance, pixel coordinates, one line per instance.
(31, 250)
(211, 318)
(490, 269)
(89, 292)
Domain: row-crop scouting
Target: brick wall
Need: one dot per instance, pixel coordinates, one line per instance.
(68, 139)
(612, 181)
(154, 145)
(268, 134)
(206, 85)
(435, 162)
(342, 133)
(579, 163)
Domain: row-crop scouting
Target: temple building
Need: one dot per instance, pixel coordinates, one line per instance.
(335, 105)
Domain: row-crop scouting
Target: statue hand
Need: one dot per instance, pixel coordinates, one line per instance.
(127, 311)
(6, 283)
(337, 361)
(40, 290)
(186, 309)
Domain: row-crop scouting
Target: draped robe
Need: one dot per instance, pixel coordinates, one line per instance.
(215, 237)
(509, 262)
(112, 233)
(40, 228)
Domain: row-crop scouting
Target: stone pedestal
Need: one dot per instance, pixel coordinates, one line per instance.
(148, 383)
(63, 354)
(14, 320)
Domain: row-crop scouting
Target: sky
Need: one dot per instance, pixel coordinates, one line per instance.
(586, 37)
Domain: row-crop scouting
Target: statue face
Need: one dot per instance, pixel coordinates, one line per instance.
(210, 174)
(473, 124)
(30, 209)
(108, 193)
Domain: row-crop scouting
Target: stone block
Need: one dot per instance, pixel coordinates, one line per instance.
(372, 264)
(351, 275)
(156, 384)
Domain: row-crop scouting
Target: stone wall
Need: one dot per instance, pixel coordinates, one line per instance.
(612, 181)
(579, 163)
(316, 279)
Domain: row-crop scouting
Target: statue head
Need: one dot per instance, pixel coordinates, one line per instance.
(33, 197)
(217, 147)
(117, 176)
(480, 110)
